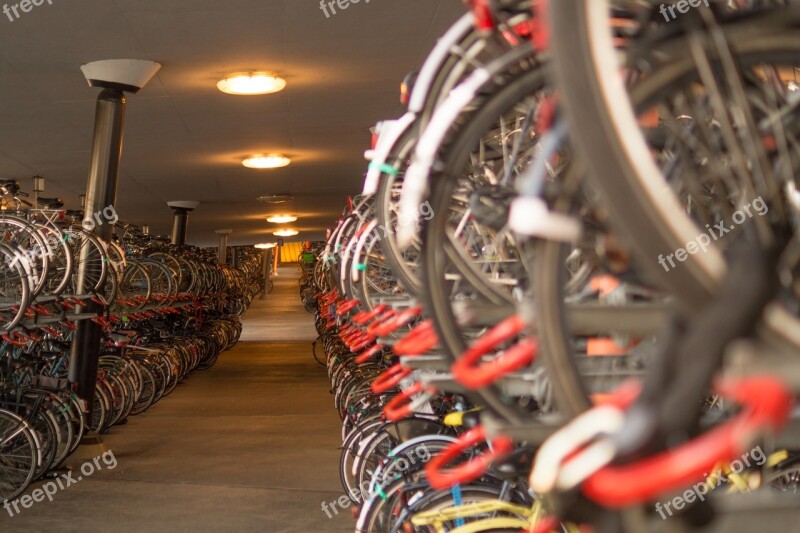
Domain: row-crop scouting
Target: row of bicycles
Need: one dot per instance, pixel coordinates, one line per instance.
(166, 311)
(567, 298)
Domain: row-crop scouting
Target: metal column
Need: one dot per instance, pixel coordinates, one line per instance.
(222, 253)
(182, 208)
(101, 192)
(179, 226)
(265, 260)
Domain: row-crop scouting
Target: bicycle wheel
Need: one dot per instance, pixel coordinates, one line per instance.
(61, 262)
(87, 253)
(465, 262)
(19, 453)
(44, 423)
(378, 447)
(672, 80)
(31, 245)
(607, 132)
(148, 393)
(135, 285)
(101, 409)
(60, 412)
(15, 289)
(445, 68)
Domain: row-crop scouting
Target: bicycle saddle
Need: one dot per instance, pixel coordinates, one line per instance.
(9, 186)
(51, 203)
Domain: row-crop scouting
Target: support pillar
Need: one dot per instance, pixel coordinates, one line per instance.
(182, 208)
(222, 253)
(101, 192)
(115, 77)
(265, 268)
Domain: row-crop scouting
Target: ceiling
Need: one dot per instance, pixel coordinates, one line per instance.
(184, 140)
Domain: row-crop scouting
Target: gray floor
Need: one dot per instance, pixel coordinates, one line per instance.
(251, 445)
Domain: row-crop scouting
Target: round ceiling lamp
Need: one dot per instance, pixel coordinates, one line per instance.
(286, 233)
(281, 219)
(251, 83)
(275, 199)
(262, 161)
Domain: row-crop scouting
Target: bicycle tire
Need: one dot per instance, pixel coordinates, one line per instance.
(605, 130)
(25, 448)
(437, 249)
(570, 391)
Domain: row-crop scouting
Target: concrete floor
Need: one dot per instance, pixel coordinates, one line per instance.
(251, 445)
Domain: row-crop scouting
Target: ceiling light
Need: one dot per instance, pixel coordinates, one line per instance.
(250, 83)
(281, 219)
(266, 161)
(265, 245)
(286, 233)
(275, 198)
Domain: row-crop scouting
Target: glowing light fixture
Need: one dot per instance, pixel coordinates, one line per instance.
(275, 199)
(251, 83)
(281, 219)
(286, 233)
(265, 245)
(266, 161)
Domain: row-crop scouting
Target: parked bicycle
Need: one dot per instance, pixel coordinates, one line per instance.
(589, 245)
